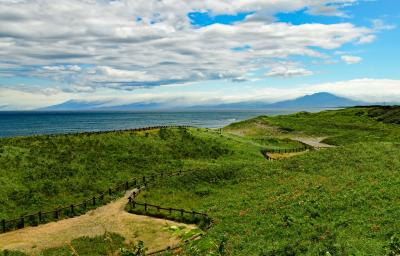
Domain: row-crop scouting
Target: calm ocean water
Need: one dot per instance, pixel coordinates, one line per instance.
(29, 123)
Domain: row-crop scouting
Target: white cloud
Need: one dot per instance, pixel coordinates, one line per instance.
(370, 90)
(349, 59)
(73, 68)
(367, 39)
(288, 69)
(25, 99)
(105, 44)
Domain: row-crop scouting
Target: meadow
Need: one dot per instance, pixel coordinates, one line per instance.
(337, 201)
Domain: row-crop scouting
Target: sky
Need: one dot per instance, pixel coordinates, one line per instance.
(186, 52)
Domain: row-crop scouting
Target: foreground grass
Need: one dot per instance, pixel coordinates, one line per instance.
(311, 204)
(107, 244)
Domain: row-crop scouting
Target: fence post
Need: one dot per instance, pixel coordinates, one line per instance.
(3, 224)
(144, 179)
(126, 185)
(84, 204)
(94, 200)
(72, 209)
(56, 214)
(22, 222)
(109, 191)
(181, 212)
(170, 211)
(133, 204)
(40, 216)
(145, 207)
(135, 182)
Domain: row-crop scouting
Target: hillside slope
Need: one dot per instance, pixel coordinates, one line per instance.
(337, 201)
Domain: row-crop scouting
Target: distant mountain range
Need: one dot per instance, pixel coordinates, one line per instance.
(315, 101)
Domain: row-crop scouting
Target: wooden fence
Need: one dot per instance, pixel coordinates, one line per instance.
(169, 211)
(84, 206)
(139, 129)
(265, 152)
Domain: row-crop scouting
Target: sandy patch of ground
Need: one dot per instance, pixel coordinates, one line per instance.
(111, 218)
(314, 142)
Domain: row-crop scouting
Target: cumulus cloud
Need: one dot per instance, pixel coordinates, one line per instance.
(349, 59)
(127, 44)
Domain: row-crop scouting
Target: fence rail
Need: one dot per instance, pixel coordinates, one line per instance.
(265, 152)
(146, 206)
(170, 210)
(139, 129)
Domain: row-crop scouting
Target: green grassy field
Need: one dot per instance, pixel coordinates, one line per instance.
(338, 201)
(43, 172)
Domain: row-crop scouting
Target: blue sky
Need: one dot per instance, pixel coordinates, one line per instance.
(194, 52)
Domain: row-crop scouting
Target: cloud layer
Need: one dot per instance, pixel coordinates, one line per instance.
(126, 44)
(368, 90)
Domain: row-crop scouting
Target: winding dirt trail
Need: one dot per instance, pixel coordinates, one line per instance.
(314, 142)
(111, 218)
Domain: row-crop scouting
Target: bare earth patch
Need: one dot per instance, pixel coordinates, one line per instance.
(110, 218)
(277, 156)
(315, 142)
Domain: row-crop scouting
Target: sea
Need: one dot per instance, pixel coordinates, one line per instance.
(24, 123)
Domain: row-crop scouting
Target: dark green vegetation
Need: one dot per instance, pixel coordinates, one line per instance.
(339, 201)
(388, 114)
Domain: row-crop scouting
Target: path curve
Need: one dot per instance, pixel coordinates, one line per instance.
(314, 142)
(111, 218)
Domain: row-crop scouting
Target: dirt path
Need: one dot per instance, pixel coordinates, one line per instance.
(111, 218)
(314, 142)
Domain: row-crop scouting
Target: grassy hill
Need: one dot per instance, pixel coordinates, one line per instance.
(339, 201)
(42, 172)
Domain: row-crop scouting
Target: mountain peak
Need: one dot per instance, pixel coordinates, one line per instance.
(317, 100)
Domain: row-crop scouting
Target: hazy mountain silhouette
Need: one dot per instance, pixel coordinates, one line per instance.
(318, 100)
